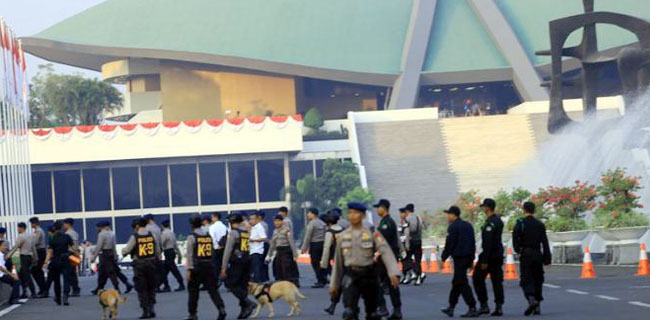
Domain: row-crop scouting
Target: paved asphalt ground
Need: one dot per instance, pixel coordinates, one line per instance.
(615, 294)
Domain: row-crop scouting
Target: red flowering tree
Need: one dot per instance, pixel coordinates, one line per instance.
(469, 203)
(620, 201)
(564, 207)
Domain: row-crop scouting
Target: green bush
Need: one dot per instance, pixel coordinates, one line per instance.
(313, 119)
(325, 135)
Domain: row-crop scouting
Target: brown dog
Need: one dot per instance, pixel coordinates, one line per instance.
(265, 294)
(109, 299)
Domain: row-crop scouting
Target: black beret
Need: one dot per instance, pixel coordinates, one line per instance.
(68, 221)
(278, 217)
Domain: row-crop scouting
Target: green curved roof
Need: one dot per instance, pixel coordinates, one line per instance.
(359, 35)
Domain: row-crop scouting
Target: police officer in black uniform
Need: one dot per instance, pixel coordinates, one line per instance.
(490, 261)
(144, 248)
(530, 242)
(235, 268)
(60, 247)
(461, 246)
(200, 270)
(388, 229)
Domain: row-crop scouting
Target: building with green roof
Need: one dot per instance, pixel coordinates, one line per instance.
(220, 58)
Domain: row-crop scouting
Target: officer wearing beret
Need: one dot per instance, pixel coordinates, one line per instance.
(355, 270)
(284, 252)
(333, 230)
(461, 246)
(68, 227)
(172, 253)
(200, 270)
(490, 261)
(388, 229)
(235, 268)
(342, 221)
(530, 242)
(144, 248)
(313, 243)
(106, 250)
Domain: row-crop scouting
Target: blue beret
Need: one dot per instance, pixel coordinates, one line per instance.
(148, 216)
(3, 230)
(357, 206)
(68, 220)
(336, 212)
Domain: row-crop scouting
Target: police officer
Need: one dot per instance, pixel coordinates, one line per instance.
(415, 245)
(27, 251)
(342, 221)
(355, 270)
(105, 249)
(156, 232)
(200, 270)
(490, 261)
(236, 261)
(405, 240)
(171, 252)
(388, 229)
(333, 230)
(313, 243)
(530, 242)
(68, 227)
(40, 242)
(286, 220)
(60, 247)
(284, 253)
(145, 251)
(461, 246)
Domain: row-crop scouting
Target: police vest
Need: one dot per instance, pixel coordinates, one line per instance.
(242, 246)
(203, 247)
(145, 246)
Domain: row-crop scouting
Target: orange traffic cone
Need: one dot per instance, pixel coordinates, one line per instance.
(304, 259)
(644, 266)
(434, 266)
(471, 272)
(446, 267)
(587, 266)
(511, 270)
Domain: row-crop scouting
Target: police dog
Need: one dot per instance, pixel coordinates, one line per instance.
(265, 294)
(109, 299)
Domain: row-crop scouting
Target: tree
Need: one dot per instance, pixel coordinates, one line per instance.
(69, 100)
(620, 201)
(313, 119)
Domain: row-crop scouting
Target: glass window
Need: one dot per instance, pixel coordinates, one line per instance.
(123, 229)
(182, 223)
(299, 169)
(213, 183)
(97, 189)
(319, 167)
(242, 181)
(67, 190)
(271, 179)
(183, 177)
(155, 193)
(42, 189)
(126, 188)
(91, 229)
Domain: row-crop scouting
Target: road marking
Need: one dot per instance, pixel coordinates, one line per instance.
(11, 308)
(640, 304)
(548, 285)
(576, 291)
(608, 298)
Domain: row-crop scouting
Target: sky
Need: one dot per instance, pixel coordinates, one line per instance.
(28, 17)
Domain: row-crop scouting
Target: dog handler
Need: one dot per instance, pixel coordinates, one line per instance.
(236, 259)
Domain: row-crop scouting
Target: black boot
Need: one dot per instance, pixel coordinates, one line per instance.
(65, 300)
(331, 308)
(484, 309)
(129, 287)
(57, 301)
(180, 288)
(152, 312)
(145, 313)
(532, 305)
(349, 314)
(247, 310)
(382, 311)
(537, 310)
(471, 313)
(448, 311)
(222, 313)
(397, 314)
(94, 292)
(498, 311)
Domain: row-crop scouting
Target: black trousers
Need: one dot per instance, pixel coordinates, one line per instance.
(74, 279)
(284, 267)
(316, 253)
(415, 255)
(532, 274)
(170, 266)
(25, 274)
(257, 268)
(120, 275)
(146, 281)
(107, 269)
(361, 283)
(266, 265)
(217, 255)
(407, 263)
(238, 275)
(61, 268)
(459, 284)
(495, 270)
(15, 287)
(203, 275)
(37, 269)
(393, 292)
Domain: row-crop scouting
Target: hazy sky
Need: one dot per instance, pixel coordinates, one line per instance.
(28, 17)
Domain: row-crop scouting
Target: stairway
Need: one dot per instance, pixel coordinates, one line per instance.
(485, 152)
